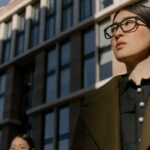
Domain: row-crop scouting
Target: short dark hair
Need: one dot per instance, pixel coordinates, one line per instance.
(141, 10)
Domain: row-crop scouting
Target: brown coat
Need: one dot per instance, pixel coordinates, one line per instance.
(98, 125)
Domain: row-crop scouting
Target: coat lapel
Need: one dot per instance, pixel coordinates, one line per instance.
(101, 116)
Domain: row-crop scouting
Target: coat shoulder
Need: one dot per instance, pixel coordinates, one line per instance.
(103, 88)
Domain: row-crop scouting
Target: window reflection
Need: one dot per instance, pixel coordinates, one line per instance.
(67, 14)
(50, 19)
(85, 9)
(89, 57)
(49, 131)
(20, 35)
(65, 69)
(63, 129)
(7, 43)
(51, 76)
(2, 94)
(34, 35)
(105, 3)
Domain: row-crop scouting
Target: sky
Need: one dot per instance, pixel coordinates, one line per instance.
(4, 2)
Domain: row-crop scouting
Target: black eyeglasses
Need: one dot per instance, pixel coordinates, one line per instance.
(129, 24)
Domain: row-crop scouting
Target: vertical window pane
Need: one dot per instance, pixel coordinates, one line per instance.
(89, 42)
(89, 72)
(28, 87)
(7, 43)
(105, 3)
(49, 131)
(63, 129)
(51, 19)
(34, 35)
(65, 69)
(85, 9)
(65, 53)
(67, 14)
(51, 76)
(20, 36)
(1, 107)
(51, 88)
(89, 58)
(2, 94)
(105, 53)
(63, 120)
(64, 144)
(49, 147)
(65, 82)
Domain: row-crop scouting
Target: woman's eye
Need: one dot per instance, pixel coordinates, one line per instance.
(12, 148)
(128, 22)
(22, 147)
(113, 29)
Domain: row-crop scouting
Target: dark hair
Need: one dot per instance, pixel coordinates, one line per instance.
(137, 8)
(28, 139)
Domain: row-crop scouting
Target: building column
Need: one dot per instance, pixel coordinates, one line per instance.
(76, 62)
(42, 20)
(15, 27)
(2, 38)
(10, 124)
(58, 17)
(76, 12)
(28, 18)
(39, 78)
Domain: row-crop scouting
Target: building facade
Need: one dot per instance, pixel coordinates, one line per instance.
(52, 52)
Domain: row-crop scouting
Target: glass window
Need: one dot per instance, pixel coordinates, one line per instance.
(51, 76)
(63, 129)
(2, 94)
(7, 43)
(20, 36)
(89, 57)
(65, 69)
(85, 9)
(105, 3)
(105, 53)
(34, 35)
(28, 86)
(49, 131)
(50, 19)
(67, 14)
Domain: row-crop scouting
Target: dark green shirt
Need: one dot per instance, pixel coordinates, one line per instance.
(133, 100)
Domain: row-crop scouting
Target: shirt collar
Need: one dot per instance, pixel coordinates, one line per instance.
(124, 83)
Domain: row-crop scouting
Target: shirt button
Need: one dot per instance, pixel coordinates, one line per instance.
(139, 90)
(139, 140)
(141, 104)
(140, 119)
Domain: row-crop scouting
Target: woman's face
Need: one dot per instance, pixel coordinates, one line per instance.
(132, 46)
(19, 144)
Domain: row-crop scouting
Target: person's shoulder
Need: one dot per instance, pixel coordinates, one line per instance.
(104, 87)
(107, 84)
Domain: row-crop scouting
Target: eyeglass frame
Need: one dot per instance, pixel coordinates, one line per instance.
(119, 24)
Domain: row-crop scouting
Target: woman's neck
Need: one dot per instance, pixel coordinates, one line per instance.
(139, 71)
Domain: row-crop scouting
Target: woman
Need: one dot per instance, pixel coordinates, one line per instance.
(22, 142)
(117, 116)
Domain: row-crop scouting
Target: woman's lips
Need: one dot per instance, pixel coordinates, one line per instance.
(120, 44)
